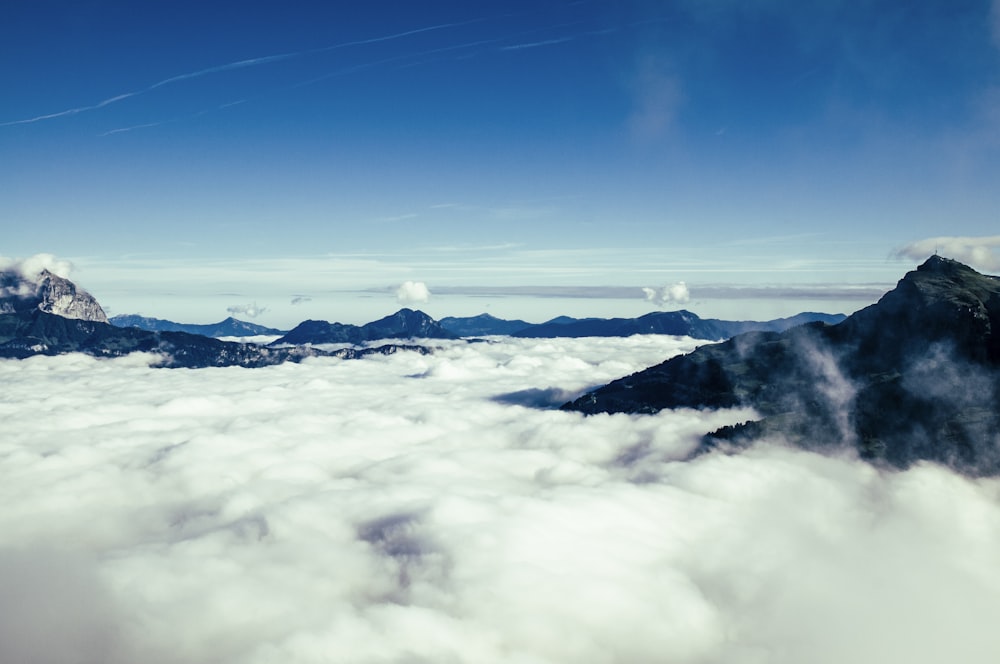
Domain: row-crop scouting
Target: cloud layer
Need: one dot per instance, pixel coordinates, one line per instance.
(394, 509)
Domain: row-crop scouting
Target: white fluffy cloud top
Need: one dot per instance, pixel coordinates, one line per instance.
(412, 292)
(668, 295)
(405, 509)
(30, 269)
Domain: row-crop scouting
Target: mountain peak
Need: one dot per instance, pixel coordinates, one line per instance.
(48, 292)
(915, 376)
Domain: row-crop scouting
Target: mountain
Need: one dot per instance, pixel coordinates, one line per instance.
(27, 333)
(50, 315)
(404, 324)
(230, 327)
(681, 322)
(47, 292)
(481, 325)
(662, 322)
(915, 376)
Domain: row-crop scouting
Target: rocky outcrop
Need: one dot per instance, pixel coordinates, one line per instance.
(49, 293)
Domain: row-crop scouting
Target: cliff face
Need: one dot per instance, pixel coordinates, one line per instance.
(61, 297)
(915, 376)
(49, 293)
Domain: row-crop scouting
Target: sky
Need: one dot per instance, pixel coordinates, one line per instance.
(528, 159)
(416, 508)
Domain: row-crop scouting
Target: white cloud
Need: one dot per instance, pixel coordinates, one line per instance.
(977, 252)
(248, 310)
(391, 509)
(674, 294)
(412, 292)
(31, 267)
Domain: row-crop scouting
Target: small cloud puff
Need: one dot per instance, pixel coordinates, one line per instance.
(412, 292)
(248, 310)
(977, 252)
(675, 294)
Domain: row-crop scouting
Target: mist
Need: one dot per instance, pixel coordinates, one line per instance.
(436, 508)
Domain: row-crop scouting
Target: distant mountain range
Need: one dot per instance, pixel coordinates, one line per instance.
(404, 324)
(229, 327)
(408, 323)
(47, 314)
(682, 323)
(915, 376)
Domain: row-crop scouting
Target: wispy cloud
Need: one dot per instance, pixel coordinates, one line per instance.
(657, 97)
(546, 42)
(229, 66)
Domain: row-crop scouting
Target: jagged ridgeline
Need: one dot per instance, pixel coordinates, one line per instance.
(915, 376)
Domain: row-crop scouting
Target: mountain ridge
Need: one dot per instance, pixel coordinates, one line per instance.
(915, 376)
(229, 327)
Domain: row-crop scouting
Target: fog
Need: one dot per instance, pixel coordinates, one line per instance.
(411, 508)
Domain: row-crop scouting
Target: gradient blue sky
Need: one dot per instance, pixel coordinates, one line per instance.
(189, 157)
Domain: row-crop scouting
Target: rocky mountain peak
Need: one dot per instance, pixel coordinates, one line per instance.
(61, 297)
(50, 293)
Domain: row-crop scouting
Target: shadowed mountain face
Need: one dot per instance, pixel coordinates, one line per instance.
(913, 377)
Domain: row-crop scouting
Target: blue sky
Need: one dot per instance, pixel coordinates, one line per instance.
(191, 157)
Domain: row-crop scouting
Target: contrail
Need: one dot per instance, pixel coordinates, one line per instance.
(239, 64)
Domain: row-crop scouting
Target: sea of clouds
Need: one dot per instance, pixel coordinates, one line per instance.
(412, 508)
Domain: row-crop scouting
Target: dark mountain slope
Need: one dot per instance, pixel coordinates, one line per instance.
(29, 333)
(914, 376)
